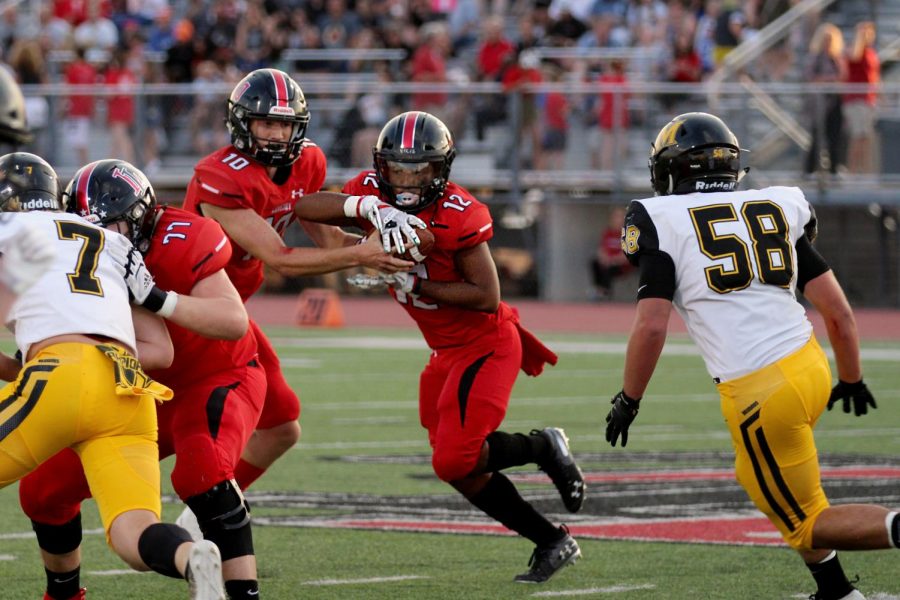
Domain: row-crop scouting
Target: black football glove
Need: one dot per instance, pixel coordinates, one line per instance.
(856, 393)
(620, 416)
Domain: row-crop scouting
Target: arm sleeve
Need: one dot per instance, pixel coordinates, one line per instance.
(657, 276)
(810, 263)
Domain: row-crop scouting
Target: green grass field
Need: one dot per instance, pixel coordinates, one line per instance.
(358, 389)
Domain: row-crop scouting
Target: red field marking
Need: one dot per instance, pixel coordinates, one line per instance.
(744, 531)
(560, 317)
(850, 472)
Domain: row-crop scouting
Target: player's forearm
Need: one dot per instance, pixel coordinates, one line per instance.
(217, 318)
(462, 294)
(645, 345)
(844, 339)
(302, 262)
(640, 362)
(323, 207)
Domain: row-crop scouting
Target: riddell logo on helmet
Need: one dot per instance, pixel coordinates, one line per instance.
(715, 185)
(40, 204)
(282, 110)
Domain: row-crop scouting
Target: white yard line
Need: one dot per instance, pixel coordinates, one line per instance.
(612, 589)
(365, 580)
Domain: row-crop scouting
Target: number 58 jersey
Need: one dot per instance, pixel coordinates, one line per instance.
(735, 270)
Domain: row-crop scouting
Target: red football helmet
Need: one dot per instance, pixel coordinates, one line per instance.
(413, 155)
(267, 94)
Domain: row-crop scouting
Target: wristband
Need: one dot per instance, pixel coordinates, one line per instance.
(156, 301)
(168, 306)
(351, 206)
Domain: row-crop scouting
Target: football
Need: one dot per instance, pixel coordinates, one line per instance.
(416, 253)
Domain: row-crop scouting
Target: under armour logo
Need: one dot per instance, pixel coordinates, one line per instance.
(296, 193)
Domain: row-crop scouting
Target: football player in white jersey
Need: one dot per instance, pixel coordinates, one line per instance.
(730, 262)
(81, 385)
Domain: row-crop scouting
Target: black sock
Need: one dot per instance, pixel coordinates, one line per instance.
(63, 585)
(512, 450)
(500, 500)
(830, 578)
(242, 588)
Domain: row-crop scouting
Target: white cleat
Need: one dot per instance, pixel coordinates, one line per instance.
(205, 577)
(188, 521)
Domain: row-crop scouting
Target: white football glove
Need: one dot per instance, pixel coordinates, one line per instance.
(365, 206)
(405, 282)
(391, 223)
(397, 225)
(141, 285)
(368, 282)
(26, 257)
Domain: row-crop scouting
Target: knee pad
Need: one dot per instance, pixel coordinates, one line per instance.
(224, 518)
(157, 546)
(58, 539)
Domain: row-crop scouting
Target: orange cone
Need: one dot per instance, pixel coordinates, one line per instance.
(317, 307)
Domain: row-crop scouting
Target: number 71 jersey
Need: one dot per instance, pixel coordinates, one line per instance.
(735, 270)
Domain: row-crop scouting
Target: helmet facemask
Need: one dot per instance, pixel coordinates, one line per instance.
(411, 186)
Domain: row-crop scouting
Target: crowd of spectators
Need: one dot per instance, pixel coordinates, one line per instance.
(201, 42)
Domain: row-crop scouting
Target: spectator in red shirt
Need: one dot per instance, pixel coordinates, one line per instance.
(120, 108)
(495, 49)
(863, 66)
(685, 67)
(80, 107)
(555, 125)
(429, 66)
(609, 262)
(523, 72)
(612, 114)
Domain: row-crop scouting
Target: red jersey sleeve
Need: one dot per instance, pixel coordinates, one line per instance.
(186, 249)
(215, 183)
(474, 224)
(318, 165)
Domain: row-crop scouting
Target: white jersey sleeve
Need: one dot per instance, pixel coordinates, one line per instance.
(83, 292)
(735, 270)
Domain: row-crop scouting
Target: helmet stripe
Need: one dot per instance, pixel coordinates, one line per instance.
(408, 139)
(281, 88)
(82, 187)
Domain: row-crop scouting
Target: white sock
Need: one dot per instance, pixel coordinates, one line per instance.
(889, 523)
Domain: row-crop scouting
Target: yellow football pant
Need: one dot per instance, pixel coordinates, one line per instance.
(771, 414)
(96, 400)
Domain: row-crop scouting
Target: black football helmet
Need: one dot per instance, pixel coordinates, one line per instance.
(408, 141)
(13, 129)
(267, 94)
(28, 182)
(695, 152)
(112, 190)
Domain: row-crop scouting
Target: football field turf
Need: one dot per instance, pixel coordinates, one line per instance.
(354, 511)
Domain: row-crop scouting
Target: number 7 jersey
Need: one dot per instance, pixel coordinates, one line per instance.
(735, 270)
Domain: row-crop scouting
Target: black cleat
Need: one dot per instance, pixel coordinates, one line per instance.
(561, 467)
(546, 561)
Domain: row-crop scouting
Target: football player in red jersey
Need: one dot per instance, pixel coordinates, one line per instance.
(218, 383)
(251, 187)
(477, 342)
